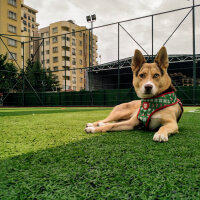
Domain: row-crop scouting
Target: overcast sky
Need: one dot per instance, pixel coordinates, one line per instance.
(109, 11)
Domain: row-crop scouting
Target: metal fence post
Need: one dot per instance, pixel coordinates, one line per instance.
(118, 70)
(194, 55)
(23, 74)
(43, 71)
(152, 37)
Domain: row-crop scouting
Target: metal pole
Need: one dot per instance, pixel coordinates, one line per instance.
(152, 37)
(43, 70)
(23, 103)
(194, 55)
(65, 58)
(89, 62)
(92, 52)
(118, 70)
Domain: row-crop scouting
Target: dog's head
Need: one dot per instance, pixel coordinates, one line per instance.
(150, 79)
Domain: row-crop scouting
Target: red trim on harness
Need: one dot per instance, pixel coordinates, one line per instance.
(147, 123)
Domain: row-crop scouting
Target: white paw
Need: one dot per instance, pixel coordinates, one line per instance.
(101, 124)
(160, 137)
(89, 125)
(90, 130)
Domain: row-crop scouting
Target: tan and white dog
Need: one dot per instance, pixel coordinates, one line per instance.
(150, 80)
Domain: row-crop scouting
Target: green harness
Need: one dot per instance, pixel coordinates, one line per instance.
(151, 105)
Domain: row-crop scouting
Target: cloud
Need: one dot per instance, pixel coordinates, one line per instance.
(108, 11)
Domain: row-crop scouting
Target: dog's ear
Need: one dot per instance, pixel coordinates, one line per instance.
(162, 58)
(138, 60)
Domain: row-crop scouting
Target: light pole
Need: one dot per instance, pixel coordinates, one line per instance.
(91, 19)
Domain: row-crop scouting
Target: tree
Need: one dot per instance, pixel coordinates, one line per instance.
(39, 78)
(8, 74)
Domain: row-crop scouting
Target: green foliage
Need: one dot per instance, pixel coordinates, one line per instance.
(45, 154)
(39, 78)
(8, 74)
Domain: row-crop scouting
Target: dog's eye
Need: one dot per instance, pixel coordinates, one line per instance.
(142, 75)
(155, 75)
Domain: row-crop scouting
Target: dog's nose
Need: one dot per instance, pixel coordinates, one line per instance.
(148, 88)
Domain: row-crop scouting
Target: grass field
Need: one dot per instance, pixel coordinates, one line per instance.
(45, 154)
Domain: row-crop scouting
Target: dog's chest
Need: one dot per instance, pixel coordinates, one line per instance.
(155, 121)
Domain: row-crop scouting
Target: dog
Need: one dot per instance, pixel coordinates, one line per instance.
(159, 108)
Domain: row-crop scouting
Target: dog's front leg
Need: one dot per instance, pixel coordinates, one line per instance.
(121, 126)
(165, 130)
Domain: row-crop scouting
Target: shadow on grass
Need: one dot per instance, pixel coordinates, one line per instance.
(45, 111)
(118, 165)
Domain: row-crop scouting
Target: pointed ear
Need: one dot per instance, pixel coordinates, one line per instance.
(162, 58)
(138, 60)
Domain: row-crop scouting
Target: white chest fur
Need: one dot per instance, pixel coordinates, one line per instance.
(155, 121)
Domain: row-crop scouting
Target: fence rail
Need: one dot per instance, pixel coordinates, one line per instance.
(80, 82)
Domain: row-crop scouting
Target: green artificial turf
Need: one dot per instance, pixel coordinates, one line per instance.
(45, 154)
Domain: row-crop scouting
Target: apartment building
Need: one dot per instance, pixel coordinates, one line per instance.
(29, 27)
(10, 23)
(66, 53)
(16, 18)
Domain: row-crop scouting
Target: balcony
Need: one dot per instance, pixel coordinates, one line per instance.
(67, 53)
(67, 43)
(67, 82)
(67, 63)
(67, 73)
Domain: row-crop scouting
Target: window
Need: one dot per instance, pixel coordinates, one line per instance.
(80, 52)
(47, 51)
(12, 42)
(29, 25)
(73, 42)
(81, 71)
(33, 19)
(12, 56)
(80, 43)
(25, 29)
(73, 32)
(74, 80)
(13, 2)
(12, 29)
(48, 60)
(29, 18)
(74, 88)
(55, 39)
(12, 15)
(55, 59)
(80, 62)
(73, 51)
(24, 22)
(74, 70)
(55, 49)
(42, 35)
(80, 34)
(73, 61)
(33, 26)
(55, 30)
(81, 80)
(47, 43)
(55, 68)
(47, 34)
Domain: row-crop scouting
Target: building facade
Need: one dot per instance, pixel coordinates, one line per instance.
(66, 52)
(16, 18)
(10, 24)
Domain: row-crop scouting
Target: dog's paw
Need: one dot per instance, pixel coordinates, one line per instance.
(90, 130)
(100, 124)
(159, 137)
(89, 125)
